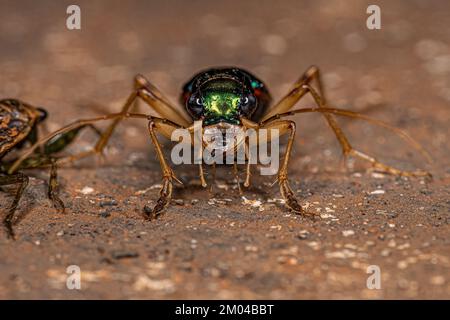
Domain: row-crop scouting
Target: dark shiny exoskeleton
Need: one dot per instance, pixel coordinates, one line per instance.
(246, 85)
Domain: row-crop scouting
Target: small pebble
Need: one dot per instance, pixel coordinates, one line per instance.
(179, 202)
(347, 233)
(377, 175)
(392, 243)
(327, 216)
(107, 203)
(314, 245)
(303, 234)
(105, 213)
(87, 190)
(343, 254)
(250, 248)
(404, 246)
(148, 209)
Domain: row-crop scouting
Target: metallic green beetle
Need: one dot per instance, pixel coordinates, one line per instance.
(222, 98)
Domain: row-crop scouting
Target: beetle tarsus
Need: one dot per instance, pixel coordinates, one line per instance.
(7, 223)
(8, 220)
(290, 200)
(165, 195)
(58, 204)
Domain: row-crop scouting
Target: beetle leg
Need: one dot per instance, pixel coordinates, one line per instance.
(144, 90)
(54, 145)
(53, 188)
(154, 99)
(213, 175)
(165, 194)
(201, 173)
(61, 141)
(300, 89)
(22, 180)
(236, 176)
(41, 160)
(72, 126)
(248, 167)
(285, 189)
(296, 93)
(163, 126)
(284, 127)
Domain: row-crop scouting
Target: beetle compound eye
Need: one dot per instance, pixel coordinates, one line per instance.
(195, 107)
(248, 105)
(248, 100)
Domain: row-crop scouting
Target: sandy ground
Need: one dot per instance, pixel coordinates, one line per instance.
(214, 244)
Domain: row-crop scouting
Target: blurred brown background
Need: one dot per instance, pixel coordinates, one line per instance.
(205, 249)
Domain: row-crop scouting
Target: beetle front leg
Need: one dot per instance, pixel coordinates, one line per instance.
(247, 165)
(165, 194)
(286, 126)
(201, 174)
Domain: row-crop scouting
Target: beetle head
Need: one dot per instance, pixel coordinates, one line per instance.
(221, 100)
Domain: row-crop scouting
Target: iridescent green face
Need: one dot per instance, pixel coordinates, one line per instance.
(221, 106)
(221, 101)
